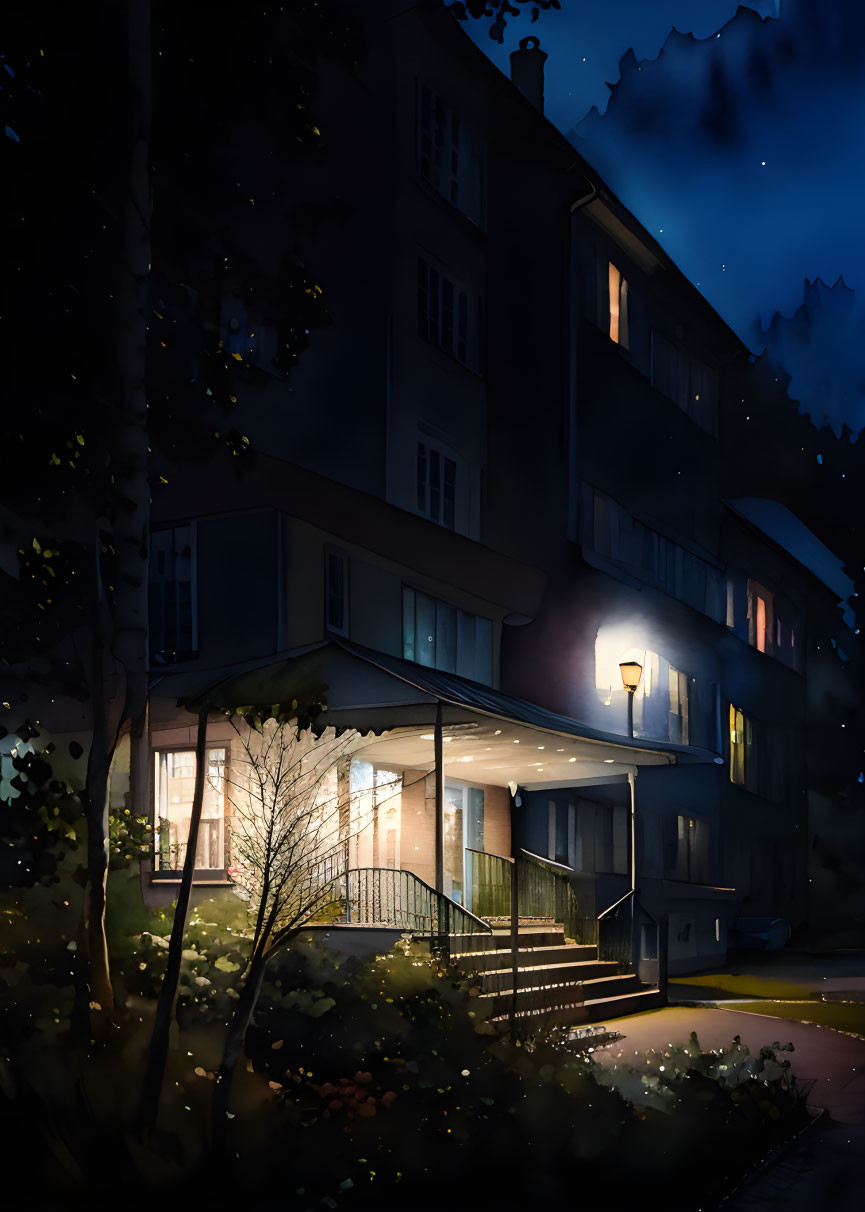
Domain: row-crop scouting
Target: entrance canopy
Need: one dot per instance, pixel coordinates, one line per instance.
(488, 736)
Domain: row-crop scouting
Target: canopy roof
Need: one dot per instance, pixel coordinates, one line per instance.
(396, 701)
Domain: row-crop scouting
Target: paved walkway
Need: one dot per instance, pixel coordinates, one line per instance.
(826, 1170)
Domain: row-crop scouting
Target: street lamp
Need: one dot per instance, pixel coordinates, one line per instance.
(631, 674)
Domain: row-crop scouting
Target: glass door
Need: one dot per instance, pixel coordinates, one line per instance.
(463, 809)
(454, 848)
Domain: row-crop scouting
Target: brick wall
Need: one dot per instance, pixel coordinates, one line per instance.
(417, 836)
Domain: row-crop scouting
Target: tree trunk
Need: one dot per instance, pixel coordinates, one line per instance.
(158, 1051)
(234, 1048)
(96, 807)
(131, 513)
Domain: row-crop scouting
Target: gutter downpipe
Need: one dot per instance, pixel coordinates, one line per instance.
(571, 346)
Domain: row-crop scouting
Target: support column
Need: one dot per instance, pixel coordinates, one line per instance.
(516, 839)
(439, 807)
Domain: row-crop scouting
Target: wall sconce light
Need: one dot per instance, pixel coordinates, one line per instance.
(631, 673)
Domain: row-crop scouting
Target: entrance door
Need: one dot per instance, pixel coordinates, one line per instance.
(463, 809)
(454, 846)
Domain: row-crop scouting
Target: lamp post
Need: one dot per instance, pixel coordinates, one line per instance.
(631, 674)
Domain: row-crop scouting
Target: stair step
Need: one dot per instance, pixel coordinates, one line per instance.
(529, 957)
(500, 939)
(567, 993)
(549, 974)
(592, 1009)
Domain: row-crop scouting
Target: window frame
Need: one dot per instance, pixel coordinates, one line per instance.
(334, 553)
(213, 875)
(461, 620)
(154, 579)
(458, 173)
(449, 313)
(438, 513)
(618, 321)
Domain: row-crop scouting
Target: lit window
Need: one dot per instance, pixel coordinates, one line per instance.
(174, 791)
(618, 307)
(761, 618)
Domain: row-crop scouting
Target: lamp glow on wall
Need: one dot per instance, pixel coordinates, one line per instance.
(631, 673)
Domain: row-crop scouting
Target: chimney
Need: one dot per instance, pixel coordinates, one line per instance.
(527, 71)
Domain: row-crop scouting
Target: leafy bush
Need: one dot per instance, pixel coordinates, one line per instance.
(380, 1084)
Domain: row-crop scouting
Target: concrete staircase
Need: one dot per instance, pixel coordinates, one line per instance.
(564, 980)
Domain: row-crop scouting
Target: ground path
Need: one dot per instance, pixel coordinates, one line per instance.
(826, 1169)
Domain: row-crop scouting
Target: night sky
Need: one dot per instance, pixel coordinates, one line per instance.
(734, 133)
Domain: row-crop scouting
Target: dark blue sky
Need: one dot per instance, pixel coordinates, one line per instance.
(737, 142)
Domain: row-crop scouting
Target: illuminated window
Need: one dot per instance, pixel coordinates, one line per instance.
(174, 790)
(761, 618)
(618, 287)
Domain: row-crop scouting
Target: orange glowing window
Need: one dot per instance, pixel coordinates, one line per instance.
(761, 624)
(618, 306)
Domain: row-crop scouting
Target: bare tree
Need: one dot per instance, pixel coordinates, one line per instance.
(291, 827)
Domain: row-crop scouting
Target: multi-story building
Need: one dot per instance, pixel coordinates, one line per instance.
(493, 482)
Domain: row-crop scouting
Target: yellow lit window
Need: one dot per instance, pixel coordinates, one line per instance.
(738, 726)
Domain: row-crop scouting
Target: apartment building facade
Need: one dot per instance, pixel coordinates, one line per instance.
(492, 482)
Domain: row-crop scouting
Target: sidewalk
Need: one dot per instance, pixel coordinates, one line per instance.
(827, 1168)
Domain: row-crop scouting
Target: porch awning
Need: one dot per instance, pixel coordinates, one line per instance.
(396, 700)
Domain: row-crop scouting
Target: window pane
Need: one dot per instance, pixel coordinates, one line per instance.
(614, 281)
(447, 336)
(408, 624)
(425, 642)
(435, 485)
(421, 478)
(423, 305)
(449, 494)
(462, 327)
(336, 591)
(446, 638)
(175, 789)
(475, 828)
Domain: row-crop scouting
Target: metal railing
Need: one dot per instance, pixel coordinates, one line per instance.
(617, 932)
(545, 891)
(488, 877)
(385, 896)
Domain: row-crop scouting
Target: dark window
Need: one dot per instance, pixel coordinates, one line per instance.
(687, 850)
(442, 636)
(336, 592)
(172, 595)
(436, 485)
(450, 157)
(686, 381)
(443, 315)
